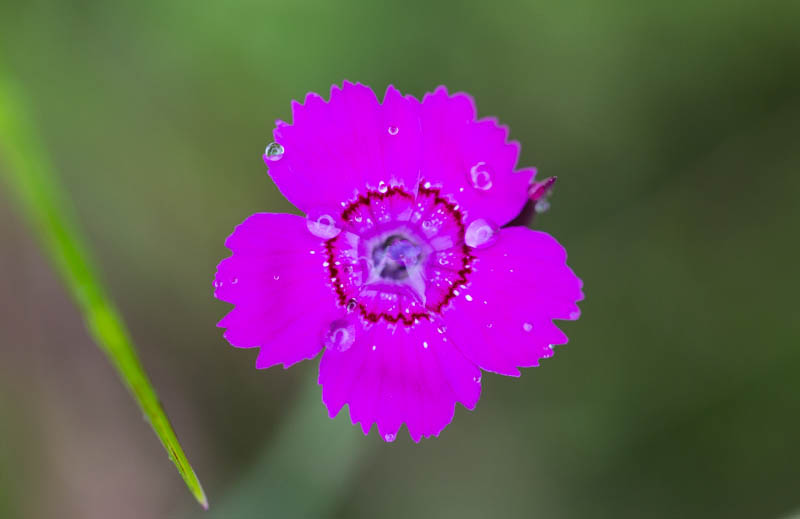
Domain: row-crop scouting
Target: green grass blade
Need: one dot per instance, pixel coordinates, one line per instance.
(31, 178)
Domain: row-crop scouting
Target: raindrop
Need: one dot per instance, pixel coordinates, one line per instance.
(477, 379)
(480, 234)
(341, 334)
(480, 176)
(468, 297)
(276, 277)
(527, 327)
(234, 281)
(383, 187)
(322, 226)
(389, 437)
(351, 305)
(424, 344)
(393, 130)
(273, 152)
(574, 315)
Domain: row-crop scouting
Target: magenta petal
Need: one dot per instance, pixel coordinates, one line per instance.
(338, 149)
(278, 286)
(401, 139)
(396, 376)
(502, 319)
(471, 160)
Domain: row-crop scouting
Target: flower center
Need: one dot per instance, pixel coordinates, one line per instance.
(394, 257)
(398, 257)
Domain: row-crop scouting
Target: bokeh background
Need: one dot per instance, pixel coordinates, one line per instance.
(674, 129)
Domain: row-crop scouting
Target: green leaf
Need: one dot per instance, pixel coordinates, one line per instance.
(31, 177)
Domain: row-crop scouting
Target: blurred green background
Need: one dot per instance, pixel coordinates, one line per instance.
(674, 129)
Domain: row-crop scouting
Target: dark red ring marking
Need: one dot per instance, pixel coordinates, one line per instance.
(406, 318)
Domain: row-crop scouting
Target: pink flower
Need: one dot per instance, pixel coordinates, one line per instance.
(401, 271)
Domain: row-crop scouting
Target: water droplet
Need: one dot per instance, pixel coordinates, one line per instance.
(276, 277)
(468, 297)
(234, 281)
(341, 334)
(425, 344)
(480, 234)
(477, 379)
(393, 130)
(352, 304)
(322, 226)
(217, 284)
(383, 187)
(574, 315)
(426, 185)
(389, 437)
(527, 327)
(273, 152)
(480, 176)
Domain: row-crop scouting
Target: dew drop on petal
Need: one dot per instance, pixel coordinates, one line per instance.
(389, 437)
(480, 176)
(393, 130)
(352, 304)
(273, 152)
(383, 187)
(574, 315)
(527, 327)
(322, 225)
(234, 281)
(480, 234)
(276, 277)
(340, 335)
